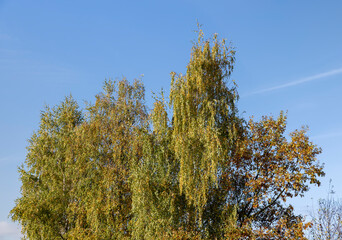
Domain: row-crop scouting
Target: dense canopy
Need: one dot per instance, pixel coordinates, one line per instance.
(191, 168)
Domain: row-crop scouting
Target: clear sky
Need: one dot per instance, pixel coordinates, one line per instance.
(289, 57)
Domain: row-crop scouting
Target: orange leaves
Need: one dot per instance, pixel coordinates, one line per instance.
(269, 169)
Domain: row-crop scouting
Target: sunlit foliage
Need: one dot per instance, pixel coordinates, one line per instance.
(191, 168)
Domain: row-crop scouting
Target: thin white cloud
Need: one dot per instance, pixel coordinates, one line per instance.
(12, 158)
(327, 135)
(300, 81)
(9, 230)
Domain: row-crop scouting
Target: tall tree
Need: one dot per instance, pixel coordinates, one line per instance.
(266, 170)
(108, 140)
(203, 118)
(189, 169)
(46, 176)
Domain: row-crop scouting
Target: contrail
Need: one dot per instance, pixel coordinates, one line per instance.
(327, 135)
(300, 81)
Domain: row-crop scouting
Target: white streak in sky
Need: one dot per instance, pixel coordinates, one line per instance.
(300, 81)
(334, 134)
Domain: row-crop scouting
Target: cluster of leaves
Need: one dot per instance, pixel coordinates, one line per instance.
(188, 169)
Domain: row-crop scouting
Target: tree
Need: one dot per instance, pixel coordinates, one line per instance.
(107, 143)
(265, 171)
(42, 209)
(191, 168)
(327, 221)
(76, 175)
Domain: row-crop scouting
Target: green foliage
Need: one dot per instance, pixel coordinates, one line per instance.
(115, 171)
(203, 118)
(46, 180)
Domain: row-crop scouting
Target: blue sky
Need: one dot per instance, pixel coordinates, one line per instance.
(288, 58)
